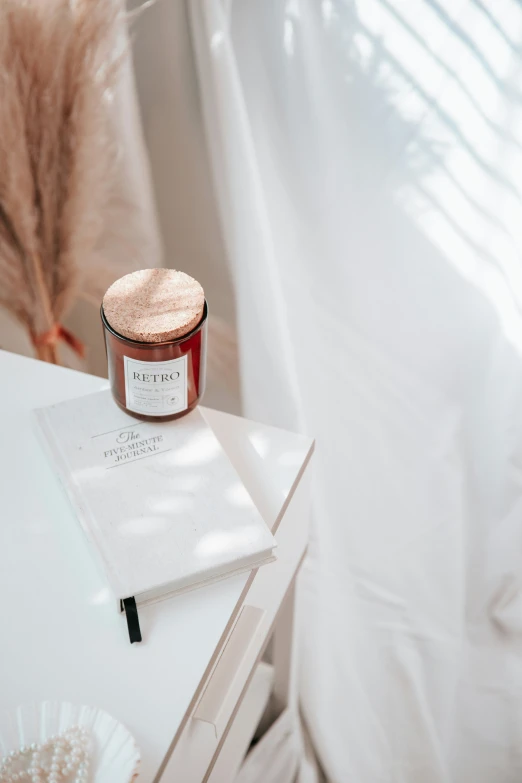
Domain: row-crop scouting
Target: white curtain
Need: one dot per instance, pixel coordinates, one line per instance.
(367, 159)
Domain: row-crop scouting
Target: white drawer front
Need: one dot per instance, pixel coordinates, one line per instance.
(224, 687)
(239, 737)
(204, 731)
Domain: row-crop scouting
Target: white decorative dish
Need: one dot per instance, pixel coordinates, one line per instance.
(114, 755)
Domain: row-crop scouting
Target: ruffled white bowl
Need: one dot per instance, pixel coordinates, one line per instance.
(115, 756)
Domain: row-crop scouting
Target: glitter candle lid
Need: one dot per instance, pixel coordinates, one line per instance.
(154, 305)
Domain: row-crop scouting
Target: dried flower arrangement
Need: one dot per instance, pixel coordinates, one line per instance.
(58, 63)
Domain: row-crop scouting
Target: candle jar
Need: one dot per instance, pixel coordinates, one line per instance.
(153, 378)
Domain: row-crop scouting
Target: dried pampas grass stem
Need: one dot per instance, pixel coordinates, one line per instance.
(57, 65)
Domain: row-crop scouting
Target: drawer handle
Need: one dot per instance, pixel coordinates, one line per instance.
(229, 676)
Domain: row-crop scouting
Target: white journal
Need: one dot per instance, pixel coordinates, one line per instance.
(160, 502)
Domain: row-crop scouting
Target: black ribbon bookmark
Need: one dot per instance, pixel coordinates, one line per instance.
(133, 621)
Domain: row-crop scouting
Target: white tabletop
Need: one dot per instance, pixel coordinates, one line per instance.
(61, 637)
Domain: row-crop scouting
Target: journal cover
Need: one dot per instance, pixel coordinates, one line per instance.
(160, 502)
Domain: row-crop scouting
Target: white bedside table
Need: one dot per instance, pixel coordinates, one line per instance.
(180, 691)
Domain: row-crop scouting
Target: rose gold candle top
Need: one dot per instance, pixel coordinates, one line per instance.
(154, 305)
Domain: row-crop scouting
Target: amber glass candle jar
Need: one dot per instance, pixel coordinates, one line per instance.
(155, 329)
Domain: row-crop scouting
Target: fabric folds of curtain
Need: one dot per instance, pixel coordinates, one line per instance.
(365, 159)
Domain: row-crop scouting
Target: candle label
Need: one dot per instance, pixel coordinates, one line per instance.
(156, 388)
